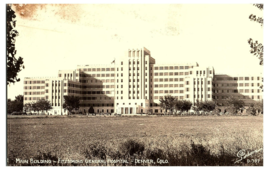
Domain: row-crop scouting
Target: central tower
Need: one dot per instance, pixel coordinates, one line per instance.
(134, 81)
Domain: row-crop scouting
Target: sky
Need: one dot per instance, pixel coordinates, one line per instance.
(58, 37)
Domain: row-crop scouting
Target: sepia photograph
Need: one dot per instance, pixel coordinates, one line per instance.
(134, 84)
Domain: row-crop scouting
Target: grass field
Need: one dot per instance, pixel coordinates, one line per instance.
(184, 141)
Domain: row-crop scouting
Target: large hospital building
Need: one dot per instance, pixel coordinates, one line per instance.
(135, 83)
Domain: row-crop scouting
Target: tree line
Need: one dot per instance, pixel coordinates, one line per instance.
(168, 103)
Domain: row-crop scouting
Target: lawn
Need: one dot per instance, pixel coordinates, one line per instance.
(200, 140)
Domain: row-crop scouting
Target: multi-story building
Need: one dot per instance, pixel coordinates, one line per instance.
(134, 84)
(244, 87)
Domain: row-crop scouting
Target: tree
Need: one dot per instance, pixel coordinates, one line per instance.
(179, 105)
(186, 105)
(19, 98)
(235, 104)
(9, 106)
(206, 106)
(256, 108)
(71, 103)
(15, 105)
(167, 102)
(35, 107)
(183, 105)
(27, 107)
(43, 105)
(257, 48)
(13, 65)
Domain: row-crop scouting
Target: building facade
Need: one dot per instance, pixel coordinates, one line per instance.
(135, 83)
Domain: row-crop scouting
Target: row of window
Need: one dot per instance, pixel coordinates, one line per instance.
(228, 84)
(178, 97)
(170, 80)
(97, 69)
(34, 87)
(170, 91)
(96, 98)
(97, 75)
(55, 104)
(200, 72)
(34, 93)
(133, 80)
(197, 82)
(95, 92)
(172, 67)
(238, 97)
(97, 81)
(168, 85)
(100, 98)
(235, 78)
(172, 73)
(198, 89)
(134, 62)
(238, 91)
(235, 84)
(65, 75)
(33, 98)
(88, 92)
(34, 82)
(55, 97)
(93, 86)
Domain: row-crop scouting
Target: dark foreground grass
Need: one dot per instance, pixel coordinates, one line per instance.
(130, 141)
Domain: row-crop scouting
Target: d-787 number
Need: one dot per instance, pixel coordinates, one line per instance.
(253, 160)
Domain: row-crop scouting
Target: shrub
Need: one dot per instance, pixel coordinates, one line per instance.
(132, 147)
(96, 150)
(256, 108)
(91, 110)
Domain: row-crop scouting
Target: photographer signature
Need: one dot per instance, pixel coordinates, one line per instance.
(242, 154)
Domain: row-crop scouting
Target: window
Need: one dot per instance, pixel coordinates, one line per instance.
(240, 78)
(246, 78)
